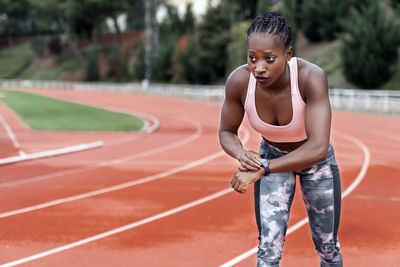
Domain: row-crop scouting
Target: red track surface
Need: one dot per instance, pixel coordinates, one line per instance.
(207, 234)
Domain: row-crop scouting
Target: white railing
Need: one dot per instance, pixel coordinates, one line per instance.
(387, 101)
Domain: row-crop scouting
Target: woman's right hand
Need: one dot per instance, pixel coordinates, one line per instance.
(249, 161)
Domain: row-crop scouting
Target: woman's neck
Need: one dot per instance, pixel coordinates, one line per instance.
(282, 82)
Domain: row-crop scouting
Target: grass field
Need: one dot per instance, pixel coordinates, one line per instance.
(44, 113)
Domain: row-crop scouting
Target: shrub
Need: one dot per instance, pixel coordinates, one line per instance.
(118, 63)
(369, 49)
(55, 46)
(161, 64)
(92, 56)
(139, 67)
(38, 45)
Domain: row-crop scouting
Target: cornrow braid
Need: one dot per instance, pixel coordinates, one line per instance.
(272, 23)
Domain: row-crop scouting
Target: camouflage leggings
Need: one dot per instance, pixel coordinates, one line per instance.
(273, 195)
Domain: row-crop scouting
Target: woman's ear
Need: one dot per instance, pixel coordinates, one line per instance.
(289, 53)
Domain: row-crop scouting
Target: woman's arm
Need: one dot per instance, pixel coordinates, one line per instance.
(317, 123)
(231, 117)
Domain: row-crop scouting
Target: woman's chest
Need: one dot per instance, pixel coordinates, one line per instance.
(274, 108)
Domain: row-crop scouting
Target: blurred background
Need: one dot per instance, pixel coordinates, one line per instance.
(192, 42)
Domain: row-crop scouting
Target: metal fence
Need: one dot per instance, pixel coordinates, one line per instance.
(386, 101)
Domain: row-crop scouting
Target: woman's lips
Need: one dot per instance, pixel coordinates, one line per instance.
(262, 79)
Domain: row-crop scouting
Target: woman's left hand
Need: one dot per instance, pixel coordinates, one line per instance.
(241, 180)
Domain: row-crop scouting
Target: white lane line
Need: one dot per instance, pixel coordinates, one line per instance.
(364, 168)
(145, 117)
(354, 184)
(9, 132)
(129, 226)
(160, 149)
(119, 186)
(119, 229)
(50, 153)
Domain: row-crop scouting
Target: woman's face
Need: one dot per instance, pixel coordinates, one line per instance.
(266, 58)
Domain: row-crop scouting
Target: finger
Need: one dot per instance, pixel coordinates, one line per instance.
(256, 161)
(242, 169)
(252, 161)
(252, 166)
(256, 155)
(242, 187)
(236, 185)
(233, 181)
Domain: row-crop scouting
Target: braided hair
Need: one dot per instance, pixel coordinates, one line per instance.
(271, 23)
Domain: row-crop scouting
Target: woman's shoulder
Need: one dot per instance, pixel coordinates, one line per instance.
(307, 69)
(238, 81)
(310, 77)
(239, 76)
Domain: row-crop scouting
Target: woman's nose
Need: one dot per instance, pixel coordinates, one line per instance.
(260, 68)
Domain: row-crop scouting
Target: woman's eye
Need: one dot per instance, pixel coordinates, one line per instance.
(252, 59)
(270, 59)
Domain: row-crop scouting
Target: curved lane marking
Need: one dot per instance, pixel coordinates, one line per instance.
(354, 184)
(140, 222)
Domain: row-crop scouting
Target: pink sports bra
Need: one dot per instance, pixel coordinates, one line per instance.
(294, 131)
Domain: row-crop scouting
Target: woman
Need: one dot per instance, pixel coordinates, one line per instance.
(286, 100)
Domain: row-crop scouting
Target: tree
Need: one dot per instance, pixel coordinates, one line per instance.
(14, 15)
(161, 63)
(237, 50)
(172, 23)
(57, 9)
(370, 44)
(289, 11)
(189, 20)
(135, 18)
(212, 40)
(263, 6)
(85, 16)
(242, 9)
(139, 67)
(114, 9)
(396, 6)
(321, 19)
(188, 63)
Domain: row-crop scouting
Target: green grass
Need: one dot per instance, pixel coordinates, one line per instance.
(14, 60)
(39, 71)
(70, 63)
(44, 113)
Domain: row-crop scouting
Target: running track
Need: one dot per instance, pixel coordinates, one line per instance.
(163, 198)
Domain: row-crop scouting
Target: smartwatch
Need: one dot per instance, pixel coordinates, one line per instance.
(265, 164)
